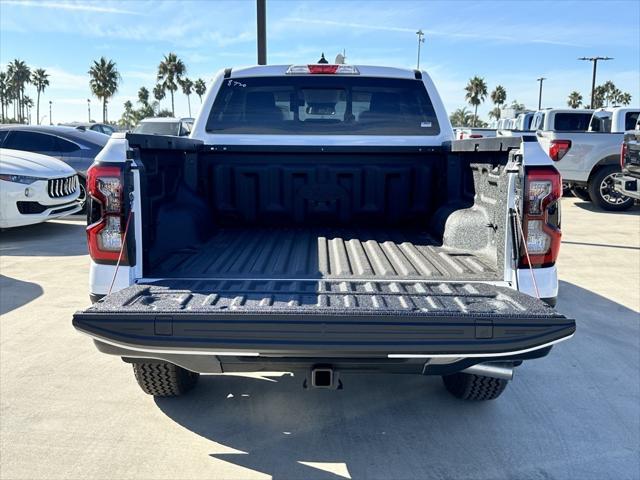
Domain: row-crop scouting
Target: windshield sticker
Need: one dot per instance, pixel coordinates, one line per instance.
(234, 83)
(425, 124)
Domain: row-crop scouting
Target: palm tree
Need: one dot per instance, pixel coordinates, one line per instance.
(170, 72)
(104, 81)
(187, 89)
(128, 116)
(143, 96)
(495, 113)
(574, 100)
(498, 97)
(610, 91)
(600, 93)
(461, 118)
(3, 95)
(40, 78)
(625, 98)
(200, 88)
(158, 93)
(20, 75)
(28, 105)
(476, 93)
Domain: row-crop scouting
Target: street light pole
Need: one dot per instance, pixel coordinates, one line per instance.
(50, 117)
(541, 79)
(261, 15)
(89, 108)
(420, 35)
(594, 60)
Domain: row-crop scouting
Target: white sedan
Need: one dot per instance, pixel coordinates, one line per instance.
(35, 188)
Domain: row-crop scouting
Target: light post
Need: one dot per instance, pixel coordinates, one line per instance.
(261, 16)
(420, 35)
(541, 79)
(594, 60)
(50, 117)
(89, 109)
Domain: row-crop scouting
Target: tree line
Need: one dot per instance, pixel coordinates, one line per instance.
(171, 75)
(476, 92)
(15, 104)
(104, 80)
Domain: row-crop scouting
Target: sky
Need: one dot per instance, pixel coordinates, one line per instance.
(508, 43)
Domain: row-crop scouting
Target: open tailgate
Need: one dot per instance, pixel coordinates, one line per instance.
(322, 317)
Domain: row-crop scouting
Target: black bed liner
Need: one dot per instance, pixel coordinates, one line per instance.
(314, 253)
(332, 317)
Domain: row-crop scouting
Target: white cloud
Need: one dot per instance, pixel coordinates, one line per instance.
(63, 80)
(517, 36)
(74, 6)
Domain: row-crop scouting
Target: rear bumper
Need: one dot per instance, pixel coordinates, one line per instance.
(628, 186)
(229, 363)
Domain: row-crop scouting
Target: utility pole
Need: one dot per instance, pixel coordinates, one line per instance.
(89, 109)
(261, 14)
(541, 79)
(50, 117)
(420, 35)
(594, 60)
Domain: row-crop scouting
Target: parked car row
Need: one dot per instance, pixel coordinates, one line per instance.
(588, 157)
(96, 127)
(584, 143)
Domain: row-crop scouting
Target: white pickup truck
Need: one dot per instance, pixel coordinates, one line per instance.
(629, 182)
(322, 220)
(588, 154)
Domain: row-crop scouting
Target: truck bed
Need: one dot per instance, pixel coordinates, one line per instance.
(319, 253)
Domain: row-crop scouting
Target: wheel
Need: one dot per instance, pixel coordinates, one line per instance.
(467, 386)
(582, 193)
(602, 192)
(163, 379)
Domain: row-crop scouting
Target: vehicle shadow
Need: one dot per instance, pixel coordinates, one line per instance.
(16, 293)
(560, 418)
(53, 238)
(635, 210)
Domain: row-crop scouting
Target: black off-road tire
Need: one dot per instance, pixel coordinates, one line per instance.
(467, 386)
(163, 379)
(605, 197)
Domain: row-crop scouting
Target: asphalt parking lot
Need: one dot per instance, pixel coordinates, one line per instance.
(70, 412)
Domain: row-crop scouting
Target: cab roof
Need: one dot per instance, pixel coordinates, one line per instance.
(281, 70)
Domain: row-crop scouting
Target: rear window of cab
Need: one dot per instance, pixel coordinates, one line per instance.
(323, 105)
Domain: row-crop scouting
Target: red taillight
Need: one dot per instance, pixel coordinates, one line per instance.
(323, 68)
(559, 149)
(475, 135)
(107, 223)
(541, 217)
(623, 154)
